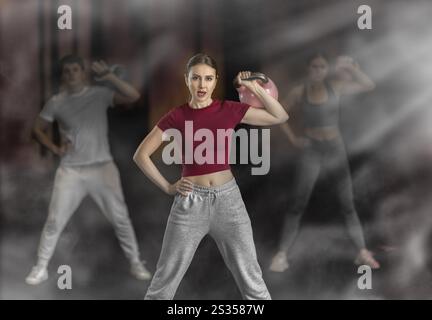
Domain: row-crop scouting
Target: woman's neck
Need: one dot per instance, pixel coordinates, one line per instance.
(199, 105)
(316, 86)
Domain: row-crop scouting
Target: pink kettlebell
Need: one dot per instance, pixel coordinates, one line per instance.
(246, 96)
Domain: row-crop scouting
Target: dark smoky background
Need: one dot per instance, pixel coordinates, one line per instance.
(387, 134)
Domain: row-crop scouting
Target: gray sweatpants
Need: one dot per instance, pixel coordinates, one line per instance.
(102, 182)
(217, 211)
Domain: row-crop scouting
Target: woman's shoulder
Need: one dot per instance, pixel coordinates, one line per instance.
(336, 85)
(172, 118)
(296, 93)
(177, 109)
(298, 89)
(226, 101)
(230, 103)
(174, 113)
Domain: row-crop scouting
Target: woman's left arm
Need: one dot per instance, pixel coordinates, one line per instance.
(359, 82)
(273, 112)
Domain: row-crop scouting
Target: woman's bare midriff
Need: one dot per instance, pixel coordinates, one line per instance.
(322, 133)
(212, 179)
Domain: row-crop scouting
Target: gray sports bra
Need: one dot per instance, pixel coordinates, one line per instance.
(322, 114)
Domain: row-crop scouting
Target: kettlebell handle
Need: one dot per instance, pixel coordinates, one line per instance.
(254, 76)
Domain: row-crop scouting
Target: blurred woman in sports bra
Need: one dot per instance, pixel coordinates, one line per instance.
(323, 149)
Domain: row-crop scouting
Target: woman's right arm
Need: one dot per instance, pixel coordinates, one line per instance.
(142, 158)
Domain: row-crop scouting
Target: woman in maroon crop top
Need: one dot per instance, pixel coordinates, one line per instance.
(207, 199)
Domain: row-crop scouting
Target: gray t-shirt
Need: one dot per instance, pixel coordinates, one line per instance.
(82, 119)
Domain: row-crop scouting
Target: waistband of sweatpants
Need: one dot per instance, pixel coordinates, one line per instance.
(226, 187)
(90, 165)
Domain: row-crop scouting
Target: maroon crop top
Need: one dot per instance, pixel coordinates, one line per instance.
(202, 154)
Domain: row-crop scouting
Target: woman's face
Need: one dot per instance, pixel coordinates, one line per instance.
(201, 82)
(318, 69)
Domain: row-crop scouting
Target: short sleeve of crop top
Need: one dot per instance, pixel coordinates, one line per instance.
(237, 110)
(169, 120)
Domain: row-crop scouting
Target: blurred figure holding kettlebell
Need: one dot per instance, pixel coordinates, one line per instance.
(86, 166)
(322, 149)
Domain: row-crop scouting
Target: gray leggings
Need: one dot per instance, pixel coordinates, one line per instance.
(328, 158)
(220, 212)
